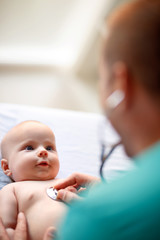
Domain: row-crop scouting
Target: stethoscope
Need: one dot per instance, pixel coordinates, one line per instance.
(111, 102)
(104, 157)
(52, 193)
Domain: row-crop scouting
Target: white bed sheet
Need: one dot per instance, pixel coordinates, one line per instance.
(76, 138)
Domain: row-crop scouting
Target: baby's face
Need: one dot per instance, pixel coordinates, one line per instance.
(32, 153)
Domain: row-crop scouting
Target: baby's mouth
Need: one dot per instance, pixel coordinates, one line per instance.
(43, 164)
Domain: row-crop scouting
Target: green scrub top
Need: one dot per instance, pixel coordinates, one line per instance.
(126, 209)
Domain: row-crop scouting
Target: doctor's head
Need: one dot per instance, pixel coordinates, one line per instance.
(29, 152)
(130, 73)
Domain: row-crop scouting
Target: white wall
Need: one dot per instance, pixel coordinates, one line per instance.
(42, 87)
(48, 51)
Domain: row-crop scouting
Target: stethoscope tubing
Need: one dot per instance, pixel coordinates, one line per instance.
(104, 158)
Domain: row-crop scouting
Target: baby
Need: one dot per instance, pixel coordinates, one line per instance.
(29, 158)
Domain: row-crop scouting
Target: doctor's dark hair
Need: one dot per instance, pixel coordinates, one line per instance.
(134, 38)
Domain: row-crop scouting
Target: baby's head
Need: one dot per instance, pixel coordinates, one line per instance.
(29, 152)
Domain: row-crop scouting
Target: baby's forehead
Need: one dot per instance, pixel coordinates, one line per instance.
(30, 124)
(28, 129)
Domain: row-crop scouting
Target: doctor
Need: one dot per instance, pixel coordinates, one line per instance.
(128, 208)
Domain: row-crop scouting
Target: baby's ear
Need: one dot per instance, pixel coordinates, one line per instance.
(5, 167)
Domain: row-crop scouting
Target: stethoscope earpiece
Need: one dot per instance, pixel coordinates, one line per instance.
(114, 99)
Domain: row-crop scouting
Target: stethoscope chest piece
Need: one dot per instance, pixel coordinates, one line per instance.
(52, 193)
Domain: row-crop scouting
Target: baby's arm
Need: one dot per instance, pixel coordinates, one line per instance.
(8, 207)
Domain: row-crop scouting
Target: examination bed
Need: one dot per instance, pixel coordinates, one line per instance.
(78, 139)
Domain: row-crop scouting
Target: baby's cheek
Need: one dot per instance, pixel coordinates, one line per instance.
(55, 169)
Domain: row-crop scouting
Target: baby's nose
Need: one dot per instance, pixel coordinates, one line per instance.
(43, 153)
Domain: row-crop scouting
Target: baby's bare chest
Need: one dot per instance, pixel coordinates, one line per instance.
(33, 194)
(40, 210)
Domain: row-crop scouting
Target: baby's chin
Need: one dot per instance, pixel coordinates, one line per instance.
(33, 178)
(42, 175)
(45, 178)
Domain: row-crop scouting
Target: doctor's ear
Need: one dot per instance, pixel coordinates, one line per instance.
(5, 167)
(123, 81)
(120, 75)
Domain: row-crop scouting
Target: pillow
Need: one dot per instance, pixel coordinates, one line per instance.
(76, 135)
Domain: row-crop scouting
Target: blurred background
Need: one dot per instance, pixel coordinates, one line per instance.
(49, 52)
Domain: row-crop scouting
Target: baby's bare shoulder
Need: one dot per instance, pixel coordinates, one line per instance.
(8, 187)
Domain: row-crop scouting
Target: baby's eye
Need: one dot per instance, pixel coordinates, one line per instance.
(49, 148)
(29, 147)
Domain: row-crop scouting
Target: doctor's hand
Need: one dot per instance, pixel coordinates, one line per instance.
(21, 233)
(71, 186)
